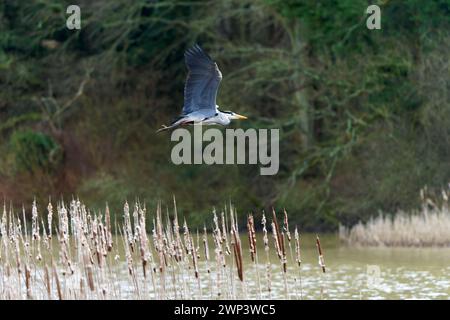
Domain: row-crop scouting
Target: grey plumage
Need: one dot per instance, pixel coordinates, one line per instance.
(200, 92)
(202, 82)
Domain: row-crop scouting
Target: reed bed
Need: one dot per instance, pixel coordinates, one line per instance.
(70, 252)
(429, 226)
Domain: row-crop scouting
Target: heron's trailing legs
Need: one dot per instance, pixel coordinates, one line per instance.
(164, 128)
(176, 123)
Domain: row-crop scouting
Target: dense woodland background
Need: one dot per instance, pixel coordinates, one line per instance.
(364, 114)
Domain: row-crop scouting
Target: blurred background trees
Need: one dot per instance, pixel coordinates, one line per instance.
(364, 115)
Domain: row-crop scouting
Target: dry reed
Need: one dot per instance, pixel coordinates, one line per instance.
(85, 261)
(429, 226)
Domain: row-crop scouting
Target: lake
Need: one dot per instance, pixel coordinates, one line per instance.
(351, 273)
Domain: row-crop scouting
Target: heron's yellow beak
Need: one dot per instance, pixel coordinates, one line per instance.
(238, 116)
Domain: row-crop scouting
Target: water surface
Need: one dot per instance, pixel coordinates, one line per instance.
(351, 273)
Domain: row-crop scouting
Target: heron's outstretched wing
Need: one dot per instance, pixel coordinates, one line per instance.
(202, 82)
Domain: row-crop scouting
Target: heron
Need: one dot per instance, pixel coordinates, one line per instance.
(200, 92)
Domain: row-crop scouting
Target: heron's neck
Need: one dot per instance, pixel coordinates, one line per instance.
(224, 117)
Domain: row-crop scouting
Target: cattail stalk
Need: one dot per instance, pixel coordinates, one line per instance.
(253, 249)
(319, 250)
(321, 263)
(281, 250)
(266, 249)
(298, 258)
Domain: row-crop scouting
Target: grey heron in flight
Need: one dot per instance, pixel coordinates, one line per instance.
(200, 92)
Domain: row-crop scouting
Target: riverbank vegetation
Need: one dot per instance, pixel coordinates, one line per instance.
(429, 226)
(364, 115)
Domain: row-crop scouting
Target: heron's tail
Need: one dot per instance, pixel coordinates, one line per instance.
(163, 128)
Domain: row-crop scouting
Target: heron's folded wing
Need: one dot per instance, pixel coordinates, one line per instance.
(202, 82)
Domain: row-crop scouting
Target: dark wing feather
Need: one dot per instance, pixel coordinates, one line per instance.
(202, 82)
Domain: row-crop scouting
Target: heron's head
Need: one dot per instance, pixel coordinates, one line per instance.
(233, 115)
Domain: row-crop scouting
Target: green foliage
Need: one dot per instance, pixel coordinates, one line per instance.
(34, 151)
(327, 23)
(363, 114)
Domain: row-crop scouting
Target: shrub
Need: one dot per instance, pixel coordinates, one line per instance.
(35, 151)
